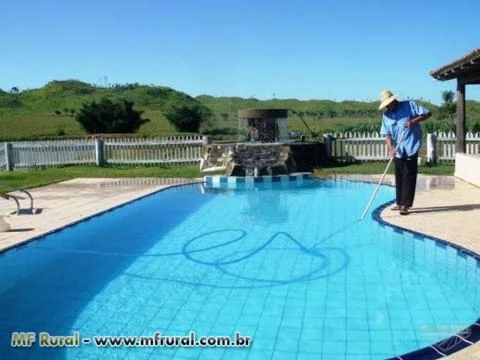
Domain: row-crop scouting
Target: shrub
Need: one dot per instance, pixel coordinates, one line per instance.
(188, 116)
(108, 116)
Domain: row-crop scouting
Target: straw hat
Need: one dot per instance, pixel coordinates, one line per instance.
(386, 97)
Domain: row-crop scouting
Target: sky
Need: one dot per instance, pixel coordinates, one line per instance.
(304, 49)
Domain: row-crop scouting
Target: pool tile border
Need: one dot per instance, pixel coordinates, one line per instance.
(224, 181)
(462, 339)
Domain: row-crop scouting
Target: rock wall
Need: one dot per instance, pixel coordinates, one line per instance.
(244, 159)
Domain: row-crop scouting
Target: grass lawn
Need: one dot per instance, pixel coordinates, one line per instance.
(24, 179)
(33, 125)
(379, 168)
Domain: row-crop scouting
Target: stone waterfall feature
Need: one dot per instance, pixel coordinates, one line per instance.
(244, 159)
(263, 148)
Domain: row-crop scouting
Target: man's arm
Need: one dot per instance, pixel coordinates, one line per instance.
(391, 150)
(385, 130)
(417, 119)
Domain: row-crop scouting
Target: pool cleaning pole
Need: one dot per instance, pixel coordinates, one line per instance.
(383, 177)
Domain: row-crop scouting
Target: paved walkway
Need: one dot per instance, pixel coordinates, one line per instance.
(445, 207)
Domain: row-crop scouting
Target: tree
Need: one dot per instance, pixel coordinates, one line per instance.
(187, 116)
(15, 90)
(448, 96)
(448, 107)
(108, 116)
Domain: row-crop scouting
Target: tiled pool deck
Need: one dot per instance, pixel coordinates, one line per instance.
(67, 202)
(445, 207)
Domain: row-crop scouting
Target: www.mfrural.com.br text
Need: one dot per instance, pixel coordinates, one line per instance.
(44, 339)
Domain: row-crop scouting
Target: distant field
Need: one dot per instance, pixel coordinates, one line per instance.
(25, 125)
(29, 125)
(30, 114)
(157, 126)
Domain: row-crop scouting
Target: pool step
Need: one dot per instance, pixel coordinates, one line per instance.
(233, 181)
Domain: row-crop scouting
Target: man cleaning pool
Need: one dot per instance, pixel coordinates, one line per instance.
(401, 126)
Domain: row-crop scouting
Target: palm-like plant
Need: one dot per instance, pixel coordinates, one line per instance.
(448, 96)
(448, 107)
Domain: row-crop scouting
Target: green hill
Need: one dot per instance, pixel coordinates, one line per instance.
(72, 93)
(48, 112)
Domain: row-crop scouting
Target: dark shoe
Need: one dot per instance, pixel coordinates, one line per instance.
(396, 208)
(404, 210)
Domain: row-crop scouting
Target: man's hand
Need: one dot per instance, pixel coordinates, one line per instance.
(416, 120)
(411, 122)
(391, 151)
(388, 141)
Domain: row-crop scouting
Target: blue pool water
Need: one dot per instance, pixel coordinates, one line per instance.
(289, 265)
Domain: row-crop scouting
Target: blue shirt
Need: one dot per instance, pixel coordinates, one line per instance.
(393, 124)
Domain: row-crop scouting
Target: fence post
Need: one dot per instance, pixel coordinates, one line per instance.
(206, 140)
(327, 141)
(431, 148)
(99, 152)
(9, 156)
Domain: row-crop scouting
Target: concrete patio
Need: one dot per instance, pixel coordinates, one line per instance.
(64, 203)
(445, 207)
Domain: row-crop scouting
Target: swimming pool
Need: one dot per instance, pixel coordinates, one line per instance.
(287, 263)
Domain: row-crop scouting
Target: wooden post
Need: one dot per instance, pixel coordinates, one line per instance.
(206, 140)
(328, 141)
(99, 152)
(460, 146)
(9, 156)
(431, 148)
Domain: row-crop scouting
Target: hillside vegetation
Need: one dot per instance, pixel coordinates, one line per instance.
(48, 112)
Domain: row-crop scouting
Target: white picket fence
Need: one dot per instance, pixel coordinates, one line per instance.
(187, 149)
(346, 147)
(50, 153)
(3, 163)
(343, 147)
(445, 145)
(128, 151)
(359, 146)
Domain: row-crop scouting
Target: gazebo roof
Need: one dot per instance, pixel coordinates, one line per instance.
(466, 68)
